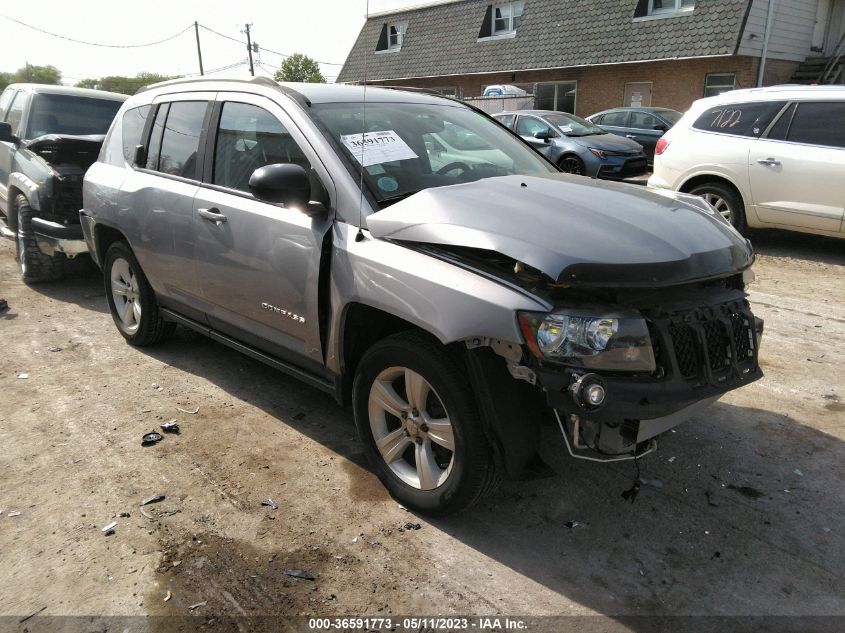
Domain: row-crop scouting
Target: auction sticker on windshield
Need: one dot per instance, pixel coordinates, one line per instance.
(374, 148)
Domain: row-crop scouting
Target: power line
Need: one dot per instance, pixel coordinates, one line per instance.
(71, 39)
(262, 48)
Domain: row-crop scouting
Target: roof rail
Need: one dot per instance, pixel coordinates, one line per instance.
(264, 81)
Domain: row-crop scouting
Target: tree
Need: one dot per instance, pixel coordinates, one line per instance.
(299, 67)
(124, 85)
(33, 75)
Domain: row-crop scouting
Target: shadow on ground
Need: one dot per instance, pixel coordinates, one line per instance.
(742, 513)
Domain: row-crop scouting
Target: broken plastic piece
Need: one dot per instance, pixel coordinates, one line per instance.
(194, 412)
(151, 438)
(298, 573)
(14, 513)
(23, 376)
(153, 499)
(170, 426)
(198, 605)
(108, 529)
(54, 348)
(168, 596)
(270, 503)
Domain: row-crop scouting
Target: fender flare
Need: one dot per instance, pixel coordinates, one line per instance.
(27, 187)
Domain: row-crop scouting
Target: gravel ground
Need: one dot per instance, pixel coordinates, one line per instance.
(747, 517)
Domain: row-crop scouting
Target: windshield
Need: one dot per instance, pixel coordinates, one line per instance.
(67, 114)
(670, 115)
(572, 125)
(411, 147)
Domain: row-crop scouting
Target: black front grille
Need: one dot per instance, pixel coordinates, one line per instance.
(67, 200)
(710, 343)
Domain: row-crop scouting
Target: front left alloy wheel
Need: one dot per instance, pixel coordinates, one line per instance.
(132, 301)
(416, 413)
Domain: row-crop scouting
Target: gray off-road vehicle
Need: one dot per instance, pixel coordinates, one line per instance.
(49, 136)
(408, 254)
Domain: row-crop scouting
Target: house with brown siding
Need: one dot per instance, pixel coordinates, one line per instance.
(583, 57)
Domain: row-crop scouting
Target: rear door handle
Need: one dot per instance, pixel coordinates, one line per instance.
(769, 162)
(212, 215)
(630, 136)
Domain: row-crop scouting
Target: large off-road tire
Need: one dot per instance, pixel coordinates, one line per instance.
(132, 301)
(36, 267)
(727, 202)
(419, 422)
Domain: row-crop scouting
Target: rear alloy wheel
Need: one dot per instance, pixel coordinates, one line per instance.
(416, 414)
(36, 266)
(572, 165)
(726, 201)
(132, 301)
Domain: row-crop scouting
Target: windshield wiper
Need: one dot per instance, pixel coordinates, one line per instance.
(386, 202)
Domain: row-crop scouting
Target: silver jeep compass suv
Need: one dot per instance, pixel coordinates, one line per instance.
(408, 254)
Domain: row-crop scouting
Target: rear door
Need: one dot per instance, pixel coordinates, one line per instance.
(159, 199)
(615, 122)
(259, 263)
(644, 131)
(796, 173)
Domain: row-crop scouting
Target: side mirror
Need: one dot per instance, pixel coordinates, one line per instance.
(285, 183)
(544, 135)
(661, 127)
(6, 135)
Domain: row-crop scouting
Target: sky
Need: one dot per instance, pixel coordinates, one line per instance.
(323, 29)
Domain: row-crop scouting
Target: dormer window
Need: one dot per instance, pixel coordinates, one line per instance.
(658, 7)
(396, 35)
(506, 17)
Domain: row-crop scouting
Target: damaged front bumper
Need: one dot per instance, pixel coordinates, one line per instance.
(53, 238)
(701, 354)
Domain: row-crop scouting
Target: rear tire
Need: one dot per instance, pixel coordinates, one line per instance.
(727, 202)
(445, 464)
(132, 301)
(36, 267)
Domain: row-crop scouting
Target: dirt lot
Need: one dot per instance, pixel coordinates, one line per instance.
(769, 541)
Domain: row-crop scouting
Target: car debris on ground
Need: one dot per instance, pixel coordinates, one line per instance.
(151, 438)
(198, 605)
(154, 499)
(298, 573)
(171, 426)
(270, 503)
(109, 529)
(194, 412)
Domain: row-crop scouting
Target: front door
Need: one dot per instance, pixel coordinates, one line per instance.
(528, 127)
(795, 172)
(638, 95)
(646, 129)
(258, 262)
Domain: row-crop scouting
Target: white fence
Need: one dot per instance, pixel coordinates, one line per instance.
(493, 105)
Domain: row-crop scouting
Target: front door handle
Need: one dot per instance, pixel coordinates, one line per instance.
(212, 215)
(769, 162)
(630, 136)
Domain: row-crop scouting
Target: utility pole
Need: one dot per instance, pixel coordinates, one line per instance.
(761, 71)
(249, 50)
(199, 49)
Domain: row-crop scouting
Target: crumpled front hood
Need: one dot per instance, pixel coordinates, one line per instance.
(55, 140)
(575, 230)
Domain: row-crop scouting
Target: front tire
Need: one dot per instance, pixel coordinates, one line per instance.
(35, 266)
(132, 302)
(570, 164)
(726, 201)
(420, 425)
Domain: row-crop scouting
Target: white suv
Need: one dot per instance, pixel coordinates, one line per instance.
(764, 157)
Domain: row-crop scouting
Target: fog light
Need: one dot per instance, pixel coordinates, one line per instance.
(588, 391)
(594, 395)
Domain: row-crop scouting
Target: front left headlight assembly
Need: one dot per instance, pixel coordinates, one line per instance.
(583, 338)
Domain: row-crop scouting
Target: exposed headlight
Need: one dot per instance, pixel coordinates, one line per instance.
(598, 153)
(617, 341)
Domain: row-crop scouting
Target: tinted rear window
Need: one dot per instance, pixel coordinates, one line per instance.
(181, 139)
(819, 124)
(67, 114)
(739, 119)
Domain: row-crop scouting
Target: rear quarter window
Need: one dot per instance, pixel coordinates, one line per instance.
(819, 124)
(134, 121)
(739, 119)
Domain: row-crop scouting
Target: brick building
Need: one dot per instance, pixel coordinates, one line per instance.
(583, 57)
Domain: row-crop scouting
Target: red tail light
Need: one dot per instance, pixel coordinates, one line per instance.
(661, 146)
